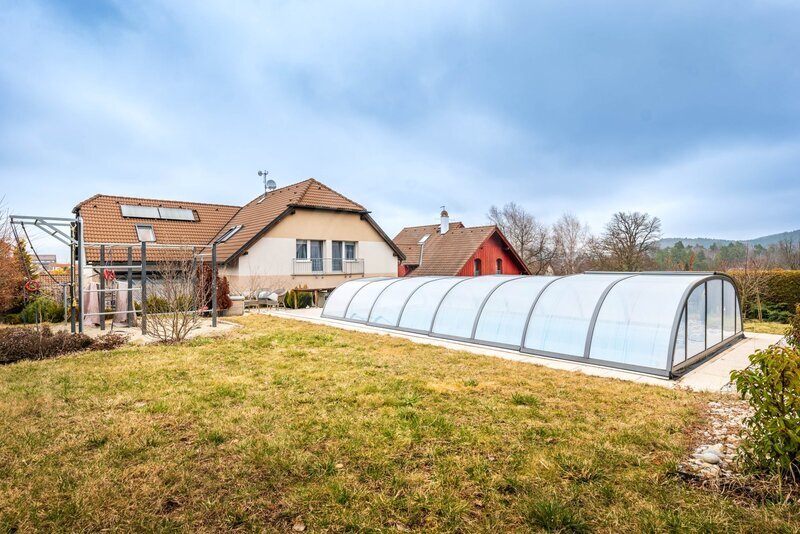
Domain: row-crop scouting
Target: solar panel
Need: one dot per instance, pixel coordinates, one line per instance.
(152, 212)
(141, 212)
(176, 214)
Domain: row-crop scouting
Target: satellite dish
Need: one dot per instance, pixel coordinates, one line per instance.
(271, 185)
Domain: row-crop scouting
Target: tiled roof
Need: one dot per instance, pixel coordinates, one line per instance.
(52, 281)
(408, 239)
(104, 223)
(445, 254)
(263, 211)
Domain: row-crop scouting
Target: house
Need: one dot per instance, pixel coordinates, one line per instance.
(304, 234)
(452, 249)
(44, 262)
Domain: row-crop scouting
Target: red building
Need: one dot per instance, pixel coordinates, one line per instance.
(452, 249)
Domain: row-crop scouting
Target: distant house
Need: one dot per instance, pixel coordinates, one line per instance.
(44, 262)
(302, 234)
(452, 249)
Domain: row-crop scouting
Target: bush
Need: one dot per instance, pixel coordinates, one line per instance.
(223, 289)
(26, 343)
(43, 309)
(156, 304)
(780, 294)
(298, 297)
(793, 337)
(11, 318)
(771, 385)
(771, 312)
(109, 341)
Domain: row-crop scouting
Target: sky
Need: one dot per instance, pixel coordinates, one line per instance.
(689, 111)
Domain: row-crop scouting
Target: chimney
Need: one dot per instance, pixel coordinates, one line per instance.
(445, 221)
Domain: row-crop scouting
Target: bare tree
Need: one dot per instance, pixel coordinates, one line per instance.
(628, 239)
(570, 237)
(752, 280)
(530, 238)
(178, 296)
(788, 253)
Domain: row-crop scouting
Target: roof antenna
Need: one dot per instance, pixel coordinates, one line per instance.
(269, 185)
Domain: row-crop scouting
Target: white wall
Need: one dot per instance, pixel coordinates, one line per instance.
(273, 256)
(271, 259)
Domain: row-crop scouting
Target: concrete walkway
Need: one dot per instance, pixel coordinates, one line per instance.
(713, 375)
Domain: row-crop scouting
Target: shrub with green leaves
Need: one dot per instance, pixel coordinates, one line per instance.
(298, 297)
(793, 337)
(771, 385)
(43, 309)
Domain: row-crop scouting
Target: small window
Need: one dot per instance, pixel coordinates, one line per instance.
(301, 249)
(499, 269)
(349, 250)
(145, 233)
(230, 233)
(477, 266)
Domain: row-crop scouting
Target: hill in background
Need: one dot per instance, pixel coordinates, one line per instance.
(706, 242)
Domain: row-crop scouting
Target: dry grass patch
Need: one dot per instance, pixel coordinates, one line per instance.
(764, 327)
(283, 421)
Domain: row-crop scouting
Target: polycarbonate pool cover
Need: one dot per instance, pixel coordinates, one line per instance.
(658, 323)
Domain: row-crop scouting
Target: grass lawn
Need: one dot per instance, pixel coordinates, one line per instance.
(285, 422)
(764, 327)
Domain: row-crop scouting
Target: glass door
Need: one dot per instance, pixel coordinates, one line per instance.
(316, 255)
(336, 255)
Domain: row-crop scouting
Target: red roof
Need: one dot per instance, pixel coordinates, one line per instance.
(445, 254)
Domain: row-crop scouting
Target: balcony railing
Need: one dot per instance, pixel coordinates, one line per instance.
(323, 266)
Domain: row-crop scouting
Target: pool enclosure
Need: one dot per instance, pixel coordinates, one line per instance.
(655, 322)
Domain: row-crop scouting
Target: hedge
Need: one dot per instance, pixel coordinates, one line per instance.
(781, 291)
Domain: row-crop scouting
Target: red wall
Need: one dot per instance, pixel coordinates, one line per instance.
(403, 270)
(491, 249)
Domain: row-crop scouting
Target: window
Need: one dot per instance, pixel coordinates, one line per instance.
(310, 250)
(350, 250)
(499, 269)
(301, 249)
(145, 233)
(342, 251)
(230, 233)
(477, 267)
(315, 248)
(336, 257)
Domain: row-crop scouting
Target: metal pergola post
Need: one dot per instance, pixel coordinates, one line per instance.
(72, 253)
(214, 285)
(102, 295)
(144, 287)
(79, 231)
(129, 280)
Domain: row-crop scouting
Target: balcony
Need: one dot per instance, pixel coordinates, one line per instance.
(327, 266)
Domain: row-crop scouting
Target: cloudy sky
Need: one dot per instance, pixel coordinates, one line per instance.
(687, 110)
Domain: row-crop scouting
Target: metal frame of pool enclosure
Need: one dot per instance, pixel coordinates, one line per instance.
(658, 323)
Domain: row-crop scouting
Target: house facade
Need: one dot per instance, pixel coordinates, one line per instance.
(304, 234)
(452, 249)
